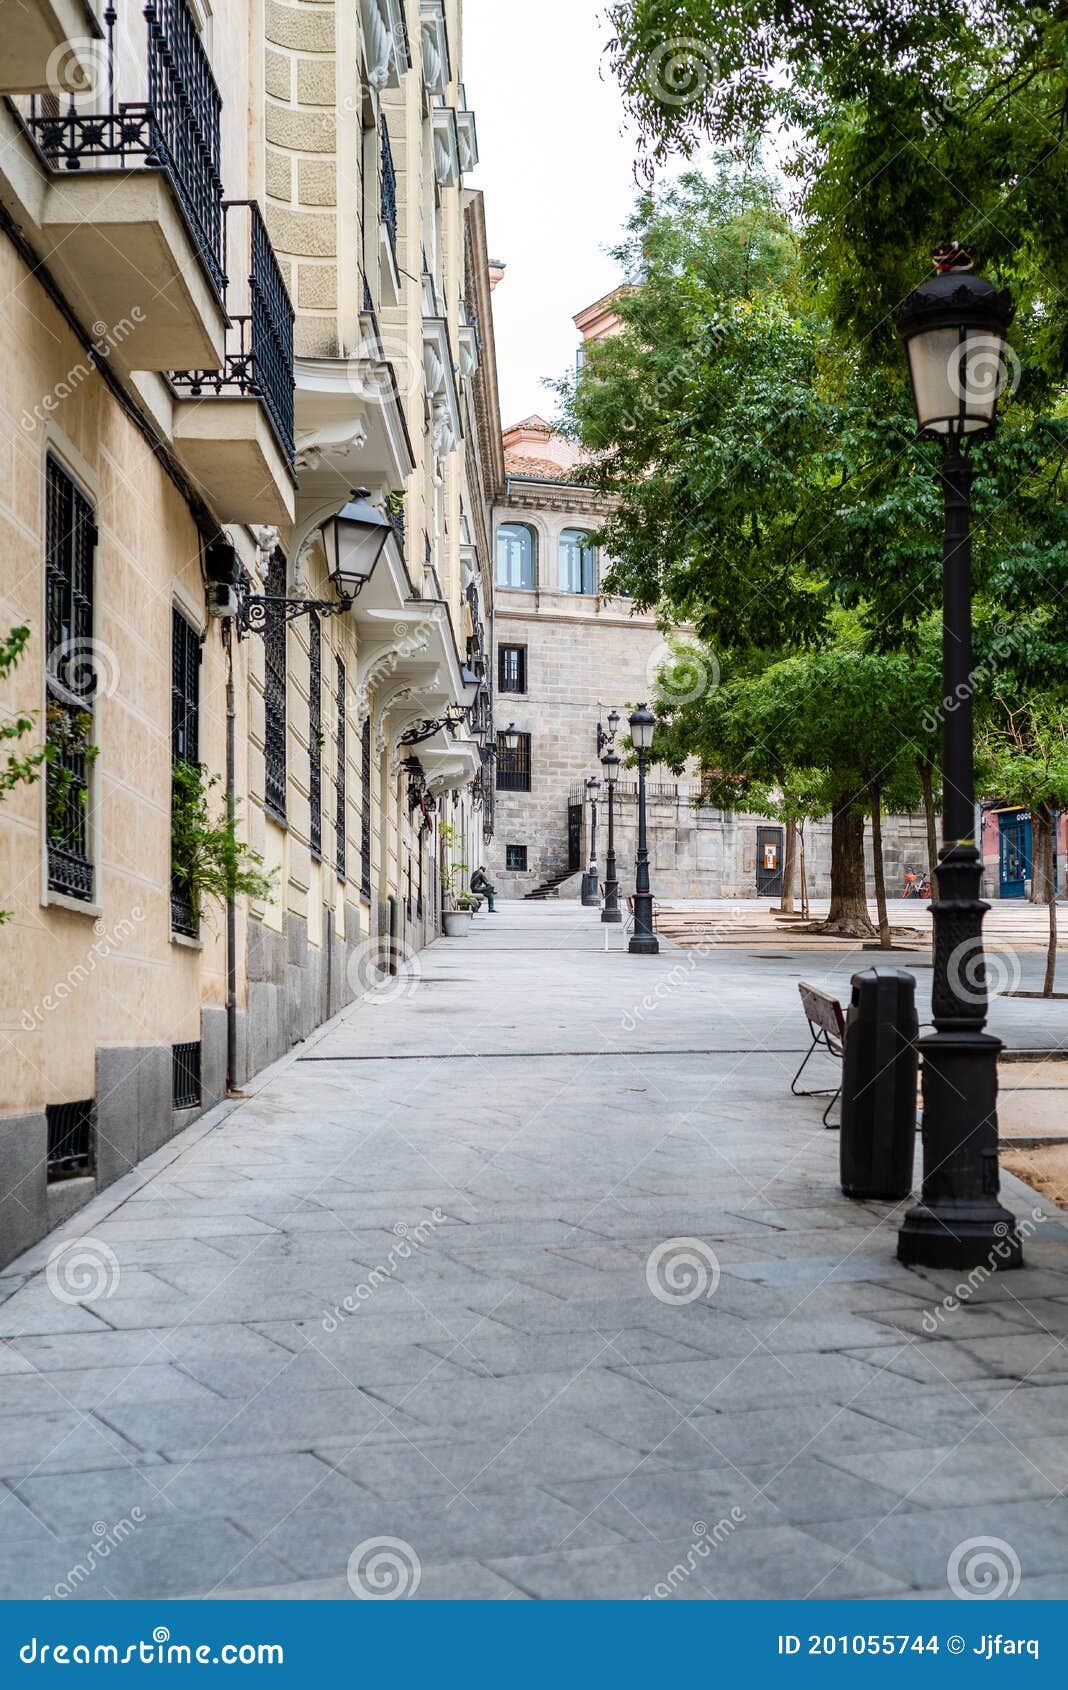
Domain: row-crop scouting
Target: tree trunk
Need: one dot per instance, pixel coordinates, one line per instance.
(789, 870)
(848, 913)
(885, 939)
(1041, 853)
(927, 784)
(804, 875)
(1044, 817)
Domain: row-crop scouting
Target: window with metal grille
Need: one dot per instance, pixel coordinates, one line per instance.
(185, 744)
(71, 1139)
(185, 1070)
(408, 893)
(70, 541)
(513, 767)
(515, 858)
(419, 897)
(341, 820)
(365, 809)
(274, 694)
(512, 668)
(315, 735)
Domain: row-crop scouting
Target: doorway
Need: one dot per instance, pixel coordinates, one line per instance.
(770, 841)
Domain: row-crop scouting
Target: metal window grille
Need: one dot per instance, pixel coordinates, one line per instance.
(185, 1070)
(389, 186)
(408, 894)
(512, 668)
(185, 744)
(419, 897)
(70, 541)
(71, 1138)
(513, 767)
(515, 857)
(396, 513)
(315, 734)
(176, 130)
(340, 823)
(274, 693)
(365, 809)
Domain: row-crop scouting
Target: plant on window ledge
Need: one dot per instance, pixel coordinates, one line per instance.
(208, 861)
(451, 872)
(70, 753)
(16, 769)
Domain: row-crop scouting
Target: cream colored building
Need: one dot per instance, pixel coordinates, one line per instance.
(213, 333)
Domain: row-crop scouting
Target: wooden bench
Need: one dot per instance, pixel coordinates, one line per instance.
(826, 1023)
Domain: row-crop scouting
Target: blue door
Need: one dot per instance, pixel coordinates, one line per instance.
(1014, 853)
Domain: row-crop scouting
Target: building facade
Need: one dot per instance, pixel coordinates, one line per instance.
(255, 299)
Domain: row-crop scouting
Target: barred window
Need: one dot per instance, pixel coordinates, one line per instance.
(315, 735)
(185, 744)
(340, 823)
(515, 858)
(274, 694)
(70, 541)
(513, 767)
(365, 809)
(512, 668)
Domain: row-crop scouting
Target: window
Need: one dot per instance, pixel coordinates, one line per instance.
(315, 735)
(515, 556)
(512, 668)
(274, 694)
(365, 810)
(513, 767)
(185, 1076)
(70, 540)
(341, 819)
(578, 562)
(71, 1134)
(185, 744)
(515, 858)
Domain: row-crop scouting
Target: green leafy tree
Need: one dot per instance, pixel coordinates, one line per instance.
(1024, 753)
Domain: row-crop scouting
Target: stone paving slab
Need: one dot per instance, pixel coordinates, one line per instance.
(547, 1276)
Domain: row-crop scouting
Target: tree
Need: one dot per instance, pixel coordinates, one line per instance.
(18, 768)
(910, 121)
(1025, 753)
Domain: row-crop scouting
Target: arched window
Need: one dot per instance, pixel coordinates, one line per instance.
(578, 562)
(515, 556)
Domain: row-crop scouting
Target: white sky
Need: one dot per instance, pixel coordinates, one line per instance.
(557, 173)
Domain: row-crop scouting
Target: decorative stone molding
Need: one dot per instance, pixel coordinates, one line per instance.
(435, 42)
(384, 50)
(446, 147)
(466, 136)
(441, 391)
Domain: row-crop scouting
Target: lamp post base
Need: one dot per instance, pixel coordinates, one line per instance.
(959, 1222)
(611, 913)
(644, 944)
(590, 891)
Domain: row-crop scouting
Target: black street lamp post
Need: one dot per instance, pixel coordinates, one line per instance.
(643, 941)
(954, 331)
(591, 894)
(611, 910)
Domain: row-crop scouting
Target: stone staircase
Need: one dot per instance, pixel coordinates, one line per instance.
(551, 888)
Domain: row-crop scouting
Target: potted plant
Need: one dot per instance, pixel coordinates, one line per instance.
(456, 904)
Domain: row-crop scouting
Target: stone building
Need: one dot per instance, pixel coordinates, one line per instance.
(266, 288)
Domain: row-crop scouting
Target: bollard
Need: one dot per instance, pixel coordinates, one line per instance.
(879, 1070)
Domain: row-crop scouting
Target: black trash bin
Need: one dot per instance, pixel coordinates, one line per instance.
(879, 1071)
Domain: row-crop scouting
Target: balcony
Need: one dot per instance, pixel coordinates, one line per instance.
(385, 42)
(389, 272)
(233, 427)
(446, 147)
(467, 135)
(47, 43)
(131, 219)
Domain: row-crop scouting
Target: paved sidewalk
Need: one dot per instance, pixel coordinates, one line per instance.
(531, 1266)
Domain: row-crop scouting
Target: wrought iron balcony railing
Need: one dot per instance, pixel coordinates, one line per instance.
(259, 340)
(388, 203)
(160, 107)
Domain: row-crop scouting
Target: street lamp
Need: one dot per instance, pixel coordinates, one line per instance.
(354, 541)
(591, 895)
(643, 941)
(510, 735)
(610, 763)
(954, 330)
